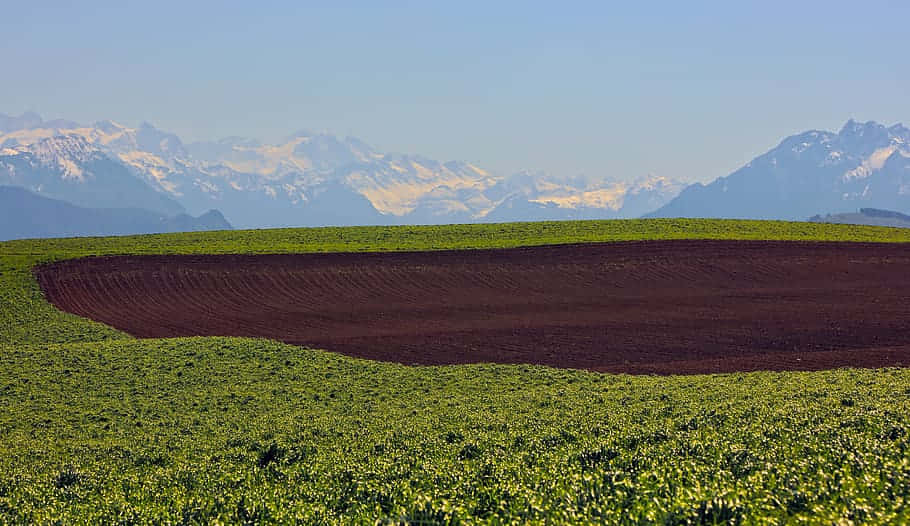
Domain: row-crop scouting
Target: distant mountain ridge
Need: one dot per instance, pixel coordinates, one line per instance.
(862, 165)
(24, 214)
(866, 216)
(307, 179)
(315, 179)
(72, 169)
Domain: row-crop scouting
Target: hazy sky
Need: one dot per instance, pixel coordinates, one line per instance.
(683, 89)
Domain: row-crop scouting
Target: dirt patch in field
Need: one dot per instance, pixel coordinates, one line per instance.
(660, 307)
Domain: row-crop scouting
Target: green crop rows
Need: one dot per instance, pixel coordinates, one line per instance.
(96, 427)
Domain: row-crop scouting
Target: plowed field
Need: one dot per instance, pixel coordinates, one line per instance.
(661, 307)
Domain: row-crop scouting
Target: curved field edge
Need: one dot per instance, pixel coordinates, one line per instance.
(658, 307)
(26, 318)
(223, 430)
(207, 430)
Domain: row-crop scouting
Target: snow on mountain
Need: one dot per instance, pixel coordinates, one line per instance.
(71, 168)
(864, 164)
(555, 199)
(64, 153)
(258, 185)
(67, 153)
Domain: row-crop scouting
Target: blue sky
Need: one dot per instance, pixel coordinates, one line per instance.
(683, 89)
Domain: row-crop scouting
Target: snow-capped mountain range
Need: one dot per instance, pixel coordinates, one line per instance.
(864, 165)
(310, 179)
(305, 179)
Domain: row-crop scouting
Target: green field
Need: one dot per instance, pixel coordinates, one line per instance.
(96, 427)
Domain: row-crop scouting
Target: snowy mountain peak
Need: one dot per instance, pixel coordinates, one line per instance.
(66, 152)
(872, 130)
(319, 178)
(152, 140)
(863, 164)
(653, 181)
(865, 138)
(73, 147)
(109, 126)
(851, 127)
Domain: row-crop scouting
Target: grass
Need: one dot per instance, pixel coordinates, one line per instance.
(96, 427)
(499, 235)
(217, 429)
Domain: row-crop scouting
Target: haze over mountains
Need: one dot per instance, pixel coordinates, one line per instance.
(308, 179)
(24, 214)
(863, 165)
(314, 179)
(866, 216)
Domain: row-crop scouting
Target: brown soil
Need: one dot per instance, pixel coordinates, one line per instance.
(660, 307)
